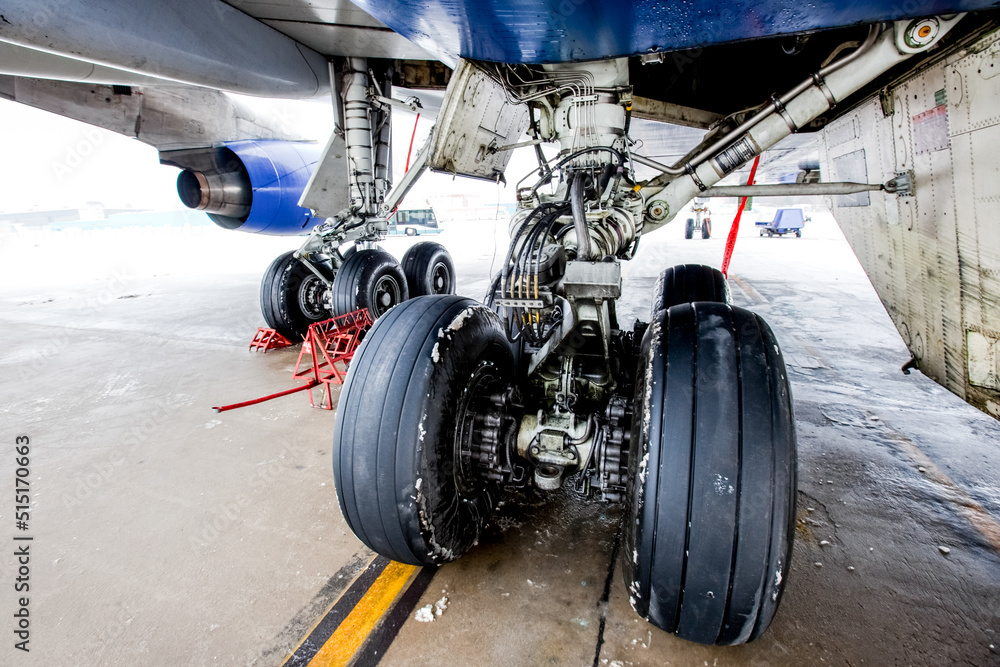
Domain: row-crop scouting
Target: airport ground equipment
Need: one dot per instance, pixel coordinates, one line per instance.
(268, 339)
(327, 350)
(786, 221)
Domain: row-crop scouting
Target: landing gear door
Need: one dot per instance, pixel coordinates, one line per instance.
(328, 191)
(476, 119)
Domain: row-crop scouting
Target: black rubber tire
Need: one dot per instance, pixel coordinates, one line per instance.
(685, 283)
(706, 229)
(798, 233)
(290, 297)
(710, 508)
(394, 463)
(369, 279)
(689, 228)
(429, 269)
(411, 231)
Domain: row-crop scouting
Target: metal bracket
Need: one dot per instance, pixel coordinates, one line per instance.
(902, 184)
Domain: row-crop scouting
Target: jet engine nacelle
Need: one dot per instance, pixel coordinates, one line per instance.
(252, 186)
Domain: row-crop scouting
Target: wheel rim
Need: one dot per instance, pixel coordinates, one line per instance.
(480, 429)
(387, 293)
(311, 297)
(440, 279)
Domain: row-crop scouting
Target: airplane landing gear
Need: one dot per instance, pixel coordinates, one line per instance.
(292, 297)
(364, 276)
(687, 421)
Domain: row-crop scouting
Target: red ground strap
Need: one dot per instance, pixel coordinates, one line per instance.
(734, 230)
(408, 152)
(410, 149)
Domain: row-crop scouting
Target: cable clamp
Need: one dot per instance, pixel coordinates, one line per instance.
(694, 176)
(783, 112)
(825, 89)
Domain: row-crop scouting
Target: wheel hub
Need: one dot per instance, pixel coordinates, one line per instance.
(387, 294)
(440, 278)
(487, 430)
(313, 296)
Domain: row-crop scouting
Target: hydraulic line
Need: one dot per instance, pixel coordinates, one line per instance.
(576, 193)
(777, 104)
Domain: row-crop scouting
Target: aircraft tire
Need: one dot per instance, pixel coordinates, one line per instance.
(798, 233)
(706, 229)
(369, 279)
(402, 487)
(710, 507)
(429, 269)
(689, 228)
(291, 297)
(685, 283)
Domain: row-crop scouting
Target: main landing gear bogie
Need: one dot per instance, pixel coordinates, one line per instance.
(292, 296)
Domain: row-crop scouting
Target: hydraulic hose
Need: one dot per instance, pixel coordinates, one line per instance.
(576, 192)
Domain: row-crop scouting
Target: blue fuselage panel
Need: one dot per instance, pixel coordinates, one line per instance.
(545, 31)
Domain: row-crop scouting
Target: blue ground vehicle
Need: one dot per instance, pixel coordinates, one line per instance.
(786, 221)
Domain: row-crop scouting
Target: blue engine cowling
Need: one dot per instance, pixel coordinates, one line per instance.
(253, 186)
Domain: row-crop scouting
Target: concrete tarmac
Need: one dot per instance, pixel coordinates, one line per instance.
(166, 534)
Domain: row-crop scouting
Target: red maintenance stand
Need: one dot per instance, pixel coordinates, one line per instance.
(268, 339)
(326, 351)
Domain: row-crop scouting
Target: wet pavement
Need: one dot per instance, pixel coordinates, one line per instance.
(166, 534)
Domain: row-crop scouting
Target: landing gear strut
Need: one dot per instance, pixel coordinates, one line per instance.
(363, 276)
